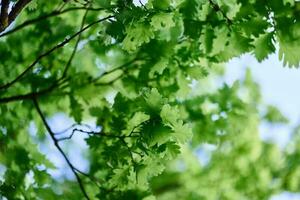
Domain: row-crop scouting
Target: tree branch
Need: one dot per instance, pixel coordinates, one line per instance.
(62, 44)
(73, 169)
(16, 9)
(30, 95)
(4, 14)
(72, 127)
(44, 17)
(121, 137)
(217, 8)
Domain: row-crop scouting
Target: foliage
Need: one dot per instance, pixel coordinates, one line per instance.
(130, 67)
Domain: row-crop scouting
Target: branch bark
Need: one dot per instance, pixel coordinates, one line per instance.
(16, 9)
(4, 14)
(5, 18)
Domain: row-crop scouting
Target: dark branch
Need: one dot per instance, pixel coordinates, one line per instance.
(16, 9)
(4, 14)
(73, 169)
(31, 95)
(46, 91)
(44, 17)
(217, 8)
(115, 69)
(94, 133)
(7, 19)
(72, 127)
(62, 44)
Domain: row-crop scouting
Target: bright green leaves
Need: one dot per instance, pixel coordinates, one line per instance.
(137, 119)
(237, 45)
(170, 116)
(173, 150)
(231, 7)
(273, 115)
(146, 133)
(204, 10)
(162, 21)
(254, 26)
(154, 99)
(264, 46)
(159, 4)
(151, 167)
(168, 26)
(206, 39)
(136, 35)
(120, 177)
(220, 40)
(162, 26)
(159, 67)
(182, 132)
(288, 52)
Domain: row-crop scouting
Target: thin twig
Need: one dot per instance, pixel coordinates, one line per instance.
(217, 8)
(46, 16)
(73, 169)
(71, 127)
(30, 95)
(76, 46)
(115, 69)
(95, 133)
(62, 44)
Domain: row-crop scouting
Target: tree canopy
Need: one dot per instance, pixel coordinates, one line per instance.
(136, 77)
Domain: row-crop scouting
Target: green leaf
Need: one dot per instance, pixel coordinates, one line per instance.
(137, 35)
(182, 132)
(137, 119)
(169, 115)
(206, 39)
(160, 4)
(273, 115)
(220, 40)
(159, 67)
(288, 52)
(173, 150)
(76, 109)
(154, 99)
(162, 21)
(231, 7)
(263, 46)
